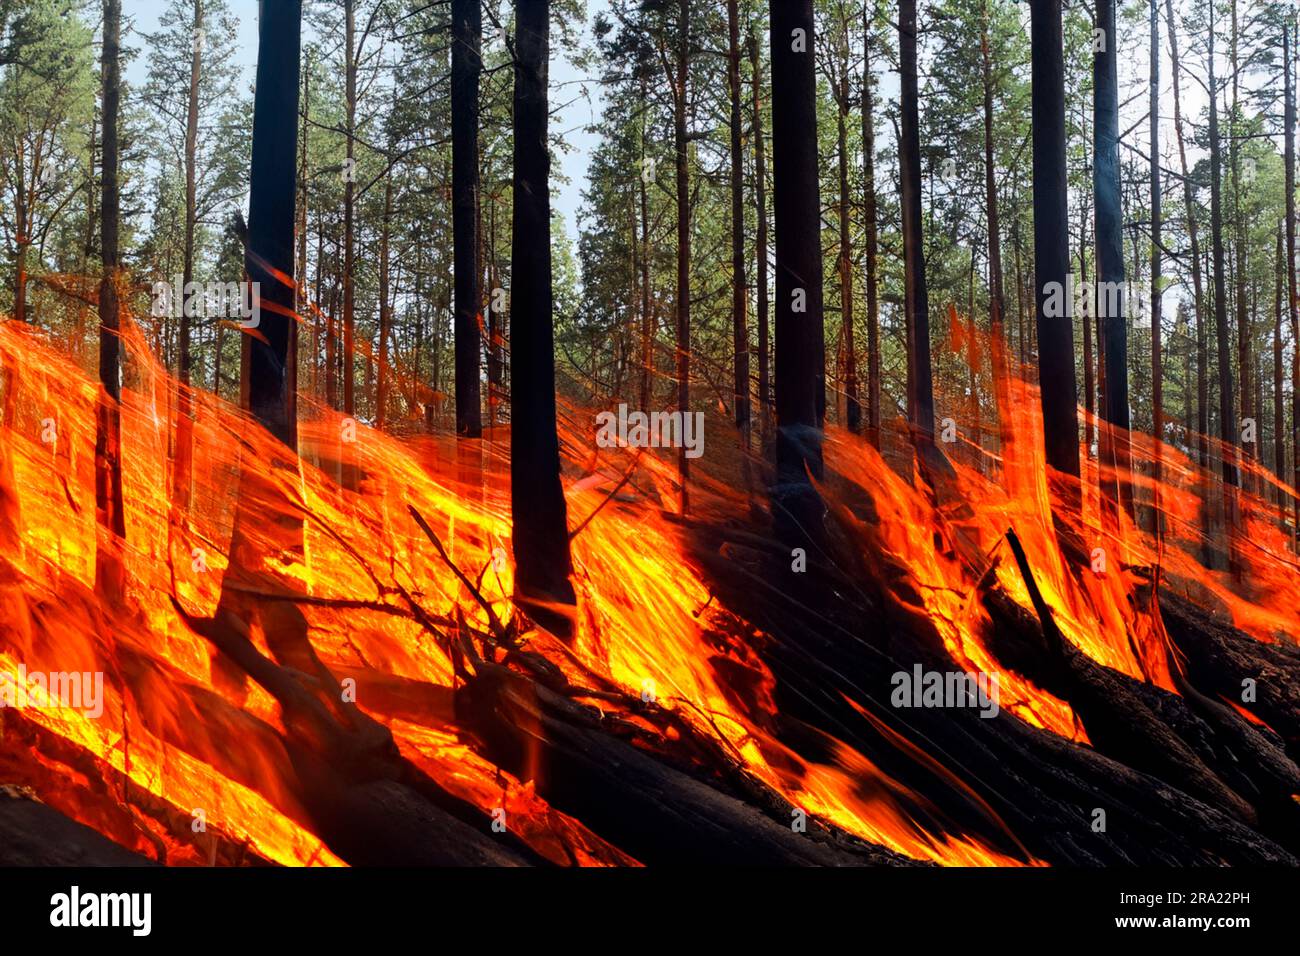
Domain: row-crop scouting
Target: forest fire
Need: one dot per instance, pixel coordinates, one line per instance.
(184, 738)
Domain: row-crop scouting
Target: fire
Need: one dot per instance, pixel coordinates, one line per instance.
(181, 732)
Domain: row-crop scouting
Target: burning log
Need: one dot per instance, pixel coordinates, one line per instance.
(651, 810)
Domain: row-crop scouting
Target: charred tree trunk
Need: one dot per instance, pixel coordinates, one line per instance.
(920, 387)
(349, 206)
(1279, 408)
(1157, 359)
(798, 510)
(1110, 258)
(385, 306)
(1293, 297)
(760, 238)
(271, 215)
(869, 240)
(853, 410)
(647, 319)
(1051, 253)
(997, 306)
(466, 64)
(680, 78)
(541, 534)
(739, 305)
(1227, 415)
(108, 438)
(184, 403)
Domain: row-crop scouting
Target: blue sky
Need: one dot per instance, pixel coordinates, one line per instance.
(572, 122)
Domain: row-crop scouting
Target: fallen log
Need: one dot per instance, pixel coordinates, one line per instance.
(32, 834)
(650, 810)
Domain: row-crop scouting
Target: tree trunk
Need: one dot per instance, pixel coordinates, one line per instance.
(466, 64)
(1157, 359)
(385, 307)
(647, 319)
(1293, 297)
(739, 305)
(853, 411)
(797, 508)
(1279, 408)
(869, 240)
(1110, 259)
(997, 305)
(349, 203)
(541, 535)
(1051, 253)
(1227, 415)
(683, 293)
(271, 215)
(108, 461)
(760, 238)
(919, 383)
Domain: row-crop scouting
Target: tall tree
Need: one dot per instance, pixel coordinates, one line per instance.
(1051, 252)
(1227, 415)
(840, 81)
(108, 436)
(466, 65)
(739, 306)
(271, 198)
(678, 81)
(540, 533)
(920, 390)
(1109, 237)
(1157, 369)
(1293, 296)
(760, 235)
(869, 228)
(797, 508)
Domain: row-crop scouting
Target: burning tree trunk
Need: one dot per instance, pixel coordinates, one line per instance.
(796, 197)
(739, 306)
(541, 534)
(1051, 254)
(350, 57)
(108, 441)
(466, 64)
(1279, 408)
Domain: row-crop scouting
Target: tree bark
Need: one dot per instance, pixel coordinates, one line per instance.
(1157, 359)
(869, 237)
(108, 441)
(682, 177)
(761, 239)
(920, 388)
(271, 215)
(541, 535)
(739, 304)
(1051, 254)
(466, 65)
(852, 409)
(1110, 259)
(797, 508)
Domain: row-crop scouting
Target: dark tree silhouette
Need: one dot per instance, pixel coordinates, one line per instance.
(1051, 251)
(541, 534)
(272, 192)
(800, 364)
(466, 65)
